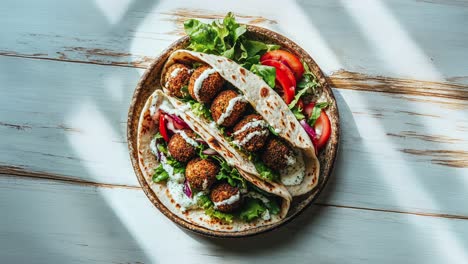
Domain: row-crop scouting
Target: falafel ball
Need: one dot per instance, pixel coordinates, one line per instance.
(179, 148)
(204, 84)
(225, 197)
(228, 107)
(277, 154)
(251, 132)
(201, 173)
(177, 76)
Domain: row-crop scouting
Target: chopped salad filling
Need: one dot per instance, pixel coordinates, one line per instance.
(202, 181)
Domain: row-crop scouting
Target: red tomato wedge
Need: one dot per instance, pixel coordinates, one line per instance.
(300, 104)
(285, 78)
(323, 129)
(288, 59)
(308, 108)
(162, 127)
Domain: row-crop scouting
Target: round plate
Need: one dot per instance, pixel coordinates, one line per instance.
(150, 81)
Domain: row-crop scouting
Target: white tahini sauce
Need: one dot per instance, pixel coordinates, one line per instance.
(175, 185)
(176, 177)
(230, 108)
(294, 173)
(255, 195)
(266, 215)
(213, 125)
(231, 200)
(252, 124)
(175, 72)
(188, 139)
(290, 160)
(153, 107)
(205, 184)
(153, 147)
(249, 136)
(199, 81)
(167, 107)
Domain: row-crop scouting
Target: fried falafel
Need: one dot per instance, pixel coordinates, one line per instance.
(179, 148)
(204, 84)
(177, 76)
(225, 197)
(201, 173)
(277, 154)
(228, 107)
(251, 132)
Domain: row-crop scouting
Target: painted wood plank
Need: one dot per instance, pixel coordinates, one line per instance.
(54, 222)
(397, 152)
(389, 38)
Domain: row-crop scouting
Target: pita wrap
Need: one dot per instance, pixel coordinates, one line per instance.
(268, 104)
(147, 161)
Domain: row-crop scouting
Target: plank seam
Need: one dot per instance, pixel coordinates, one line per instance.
(14, 171)
(342, 80)
(447, 216)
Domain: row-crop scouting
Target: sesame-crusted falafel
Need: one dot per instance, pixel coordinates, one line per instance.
(227, 108)
(251, 132)
(201, 173)
(179, 148)
(177, 76)
(225, 197)
(205, 89)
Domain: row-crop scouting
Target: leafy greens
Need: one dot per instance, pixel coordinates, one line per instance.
(227, 38)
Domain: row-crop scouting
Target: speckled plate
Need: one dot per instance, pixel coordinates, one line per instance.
(150, 81)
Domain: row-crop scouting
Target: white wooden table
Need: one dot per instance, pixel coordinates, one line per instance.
(399, 70)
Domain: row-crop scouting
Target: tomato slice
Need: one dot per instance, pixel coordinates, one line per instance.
(308, 108)
(285, 78)
(323, 129)
(288, 59)
(300, 104)
(162, 127)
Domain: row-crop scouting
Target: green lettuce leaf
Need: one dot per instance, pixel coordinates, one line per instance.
(158, 136)
(308, 82)
(160, 175)
(204, 201)
(226, 38)
(268, 73)
(298, 96)
(225, 217)
(264, 171)
(252, 209)
(273, 206)
(297, 111)
(316, 112)
(272, 130)
(230, 174)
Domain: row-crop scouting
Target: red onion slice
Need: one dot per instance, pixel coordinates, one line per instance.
(209, 151)
(310, 130)
(177, 121)
(187, 189)
(201, 141)
(170, 124)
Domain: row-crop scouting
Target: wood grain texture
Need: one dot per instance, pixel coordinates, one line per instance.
(81, 134)
(401, 171)
(69, 223)
(132, 33)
